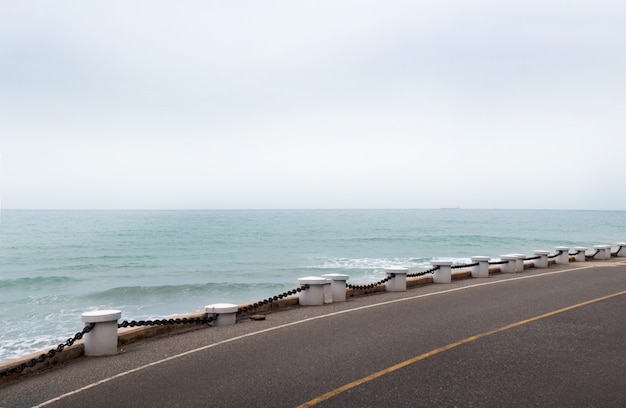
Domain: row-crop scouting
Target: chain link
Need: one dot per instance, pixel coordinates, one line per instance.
(43, 357)
(165, 322)
(372, 285)
(426, 272)
(272, 299)
(555, 255)
(464, 265)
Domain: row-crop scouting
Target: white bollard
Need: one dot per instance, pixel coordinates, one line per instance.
(482, 269)
(519, 262)
(444, 273)
(102, 339)
(601, 252)
(337, 286)
(511, 263)
(224, 314)
(318, 293)
(598, 252)
(607, 251)
(581, 253)
(563, 257)
(542, 262)
(621, 249)
(398, 282)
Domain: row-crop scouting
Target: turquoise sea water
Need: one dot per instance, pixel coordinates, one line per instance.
(54, 265)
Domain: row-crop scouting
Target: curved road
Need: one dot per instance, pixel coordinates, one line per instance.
(551, 338)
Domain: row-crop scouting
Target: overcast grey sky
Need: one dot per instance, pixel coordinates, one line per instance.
(313, 104)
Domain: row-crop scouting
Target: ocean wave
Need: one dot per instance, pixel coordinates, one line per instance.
(371, 263)
(368, 270)
(96, 266)
(52, 300)
(109, 257)
(37, 282)
(377, 239)
(168, 292)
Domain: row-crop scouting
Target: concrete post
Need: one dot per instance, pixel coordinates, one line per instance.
(542, 262)
(337, 286)
(519, 262)
(318, 293)
(482, 269)
(563, 257)
(511, 263)
(224, 314)
(444, 273)
(621, 249)
(102, 339)
(581, 253)
(607, 251)
(602, 252)
(598, 252)
(398, 282)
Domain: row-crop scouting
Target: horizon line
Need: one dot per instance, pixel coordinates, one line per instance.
(313, 209)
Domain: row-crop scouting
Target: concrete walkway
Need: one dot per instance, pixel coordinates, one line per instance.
(544, 337)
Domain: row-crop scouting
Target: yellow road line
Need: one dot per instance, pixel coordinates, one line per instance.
(413, 360)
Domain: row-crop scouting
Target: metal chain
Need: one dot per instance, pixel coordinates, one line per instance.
(464, 265)
(555, 255)
(532, 258)
(414, 275)
(372, 285)
(272, 299)
(43, 357)
(592, 256)
(165, 322)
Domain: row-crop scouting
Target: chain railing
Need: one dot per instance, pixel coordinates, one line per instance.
(271, 299)
(461, 266)
(555, 255)
(422, 273)
(165, 322)
(408, 275)
(371, 285)
(43, 357)
(78, 336)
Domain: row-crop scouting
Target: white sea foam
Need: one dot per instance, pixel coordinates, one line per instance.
(369, 263)
(381, 263)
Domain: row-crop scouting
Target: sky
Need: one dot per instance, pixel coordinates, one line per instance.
(312, 104)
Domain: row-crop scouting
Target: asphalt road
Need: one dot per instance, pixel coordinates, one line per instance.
(551, 338)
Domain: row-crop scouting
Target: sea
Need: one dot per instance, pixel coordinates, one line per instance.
(55, 265)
